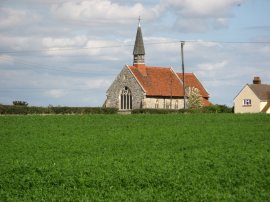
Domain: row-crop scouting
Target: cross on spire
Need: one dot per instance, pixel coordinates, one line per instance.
(139, 19)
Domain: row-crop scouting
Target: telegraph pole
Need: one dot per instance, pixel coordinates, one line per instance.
(183, 71)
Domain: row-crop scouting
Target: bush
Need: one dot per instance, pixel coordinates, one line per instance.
(22, 109)
(20, 103)
(209, 109)
(217, 109)
(83, 110)
(17, 109)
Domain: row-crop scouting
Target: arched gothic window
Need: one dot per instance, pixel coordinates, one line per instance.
(126, 99)
(176, 104)
(156, 104)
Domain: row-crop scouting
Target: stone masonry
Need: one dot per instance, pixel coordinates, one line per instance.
(125, 79)
(139, 98)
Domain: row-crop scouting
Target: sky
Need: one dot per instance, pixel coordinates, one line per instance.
(68, 52)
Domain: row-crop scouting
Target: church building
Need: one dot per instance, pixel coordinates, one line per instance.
(140, 86)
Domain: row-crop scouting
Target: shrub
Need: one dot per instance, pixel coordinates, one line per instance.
(83, 110)
(20, 103)
(17, 109)
(194, 98)
(209, 109)
(217, 109)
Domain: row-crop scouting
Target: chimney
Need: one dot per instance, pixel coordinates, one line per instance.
(257, 80)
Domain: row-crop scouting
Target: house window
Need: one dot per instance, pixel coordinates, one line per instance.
(247, 102)
(126, 99)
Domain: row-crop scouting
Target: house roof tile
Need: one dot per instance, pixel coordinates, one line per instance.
(206, 102)
(158, 81)
(192, 81)
(163, 81)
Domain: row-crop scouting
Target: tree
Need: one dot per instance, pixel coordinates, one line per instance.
(20, 103)
(194, 98)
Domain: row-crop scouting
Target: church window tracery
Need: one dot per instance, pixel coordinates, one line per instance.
(176, 104)
(126, 99)
(157, 104)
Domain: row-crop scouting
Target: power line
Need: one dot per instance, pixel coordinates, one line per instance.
(61, 49)
(82, 48)
(128, 45)
(82, 89)
(229, 42)
(37, 66)
(53, 88)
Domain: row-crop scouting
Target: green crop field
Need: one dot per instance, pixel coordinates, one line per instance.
(177, 157)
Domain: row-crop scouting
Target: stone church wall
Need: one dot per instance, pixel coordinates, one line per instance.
(124, 79)
(163, 103)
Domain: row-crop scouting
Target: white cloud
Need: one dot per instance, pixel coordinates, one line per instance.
(82, 46)
(96, 83)
(10, 18)
(264, 50)
(213, 66)
(189, 15)
(17, 42)
(6, 59)
(64, 41)
(191, 25)
(200, 16)
(43, 1)
(221, 23)
(56, 93)
(202, 8)
(102, 11)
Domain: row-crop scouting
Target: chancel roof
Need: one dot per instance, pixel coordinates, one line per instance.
(158, 81)
(164, 82)
(192, 81)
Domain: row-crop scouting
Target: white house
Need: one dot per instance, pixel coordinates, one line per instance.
(253, 98)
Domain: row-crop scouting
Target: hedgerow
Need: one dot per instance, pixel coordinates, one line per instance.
(20, 109)
(16, 109)
(209, 109)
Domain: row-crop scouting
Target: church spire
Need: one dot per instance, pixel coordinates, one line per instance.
(138, 51)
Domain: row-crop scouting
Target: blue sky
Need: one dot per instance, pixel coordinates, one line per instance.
(68, 52)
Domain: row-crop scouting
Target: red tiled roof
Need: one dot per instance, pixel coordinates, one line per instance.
(158, 81)
(206, 102)
(192, 81)
(163, 81)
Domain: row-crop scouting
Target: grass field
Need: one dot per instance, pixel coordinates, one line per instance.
(186, 157)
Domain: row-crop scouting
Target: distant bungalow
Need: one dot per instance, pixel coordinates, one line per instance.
(140, 86)
(253, 98)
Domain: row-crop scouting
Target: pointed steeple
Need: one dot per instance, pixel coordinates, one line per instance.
(138, 51)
